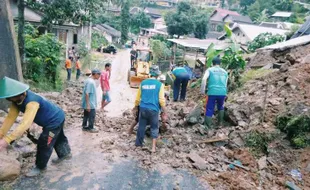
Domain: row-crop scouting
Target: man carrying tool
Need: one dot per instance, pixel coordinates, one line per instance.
(151, 99)
(105, 85)
(217, 78)
(89, 102)
(39, 110)
(181, 80)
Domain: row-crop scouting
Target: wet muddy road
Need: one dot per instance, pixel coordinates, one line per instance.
(107, 160)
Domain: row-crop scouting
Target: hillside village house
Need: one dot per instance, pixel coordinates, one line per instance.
(165, 3)
(281, 16)
(110, 33)
(279, 25)
(245, 33)
(67, 33)
(222, 16)
(207, 3)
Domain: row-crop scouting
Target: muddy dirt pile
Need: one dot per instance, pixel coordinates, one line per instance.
(263, 99)
(283, 56)
(216, 156)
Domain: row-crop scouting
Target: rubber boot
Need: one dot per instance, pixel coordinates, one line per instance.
(220, 118)
(208, 122)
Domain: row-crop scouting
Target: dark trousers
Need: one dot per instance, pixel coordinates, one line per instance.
(48, 140)
(147, 116)
(90, 118)
(78, 73)
(180, 82)
(132, 62)
(68, 74)
(212, 100)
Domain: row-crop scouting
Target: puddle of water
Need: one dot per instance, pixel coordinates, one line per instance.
(123, 176)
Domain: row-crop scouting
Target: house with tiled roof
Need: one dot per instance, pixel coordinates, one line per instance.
(68, 33)
(216, 21)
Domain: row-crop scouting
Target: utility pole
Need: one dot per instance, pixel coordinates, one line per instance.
(9, 55)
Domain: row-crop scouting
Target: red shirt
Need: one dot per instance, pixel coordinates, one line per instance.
(104, 81)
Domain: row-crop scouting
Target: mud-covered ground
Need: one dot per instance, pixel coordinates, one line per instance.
(185, 158)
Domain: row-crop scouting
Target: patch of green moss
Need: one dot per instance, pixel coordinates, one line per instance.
(296, 128)
(258, 142)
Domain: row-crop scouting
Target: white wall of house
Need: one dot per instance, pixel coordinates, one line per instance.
(108, 37)
(240, 37)
(84, 33)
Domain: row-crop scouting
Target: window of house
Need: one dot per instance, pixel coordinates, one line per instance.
(75, 38)
(238, 34)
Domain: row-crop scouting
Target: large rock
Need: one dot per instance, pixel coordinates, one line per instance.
(198, 162)
(9, 167)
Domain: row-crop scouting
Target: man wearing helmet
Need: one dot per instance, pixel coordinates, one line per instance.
(39, 110)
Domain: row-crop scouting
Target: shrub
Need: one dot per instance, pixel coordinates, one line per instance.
(43, 56)
(263, 40)
(297, 129)
(98, 40)
(83, 50)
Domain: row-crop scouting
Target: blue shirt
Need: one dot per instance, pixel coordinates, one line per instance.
(217, 81)
(48, 116)
(90, 89)
(180, 71)
(150, 89)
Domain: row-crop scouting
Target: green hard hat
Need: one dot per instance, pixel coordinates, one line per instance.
(10, 87)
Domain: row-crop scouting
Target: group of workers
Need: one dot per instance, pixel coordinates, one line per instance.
(150, 103)
(73, 57)
(89, 97)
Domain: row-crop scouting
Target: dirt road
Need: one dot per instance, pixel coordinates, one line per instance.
(122, 95)
(109, 159)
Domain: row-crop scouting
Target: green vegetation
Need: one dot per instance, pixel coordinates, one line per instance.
(254, 74)
(97, 40)
(125, 15)
(187, 19)
(139, 20)
(258, 142)
(261, 10)
(160, 50)
(43, 57)
(264, 39)
(297, 129)
(232, 60)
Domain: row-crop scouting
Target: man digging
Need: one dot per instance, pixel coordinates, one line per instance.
(151, 99)
(216, 78)
(41, 111)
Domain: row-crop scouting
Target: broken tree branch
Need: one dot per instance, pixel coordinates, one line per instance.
(213, 140)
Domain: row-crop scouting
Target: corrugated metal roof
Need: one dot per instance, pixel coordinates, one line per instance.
(304, 29)
(198, 43)
(252, 31)
(108, 29)
(239, 18)
(282, 14)
(290, 43)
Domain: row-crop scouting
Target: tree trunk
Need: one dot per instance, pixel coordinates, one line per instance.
(21, 29)
(9, 55)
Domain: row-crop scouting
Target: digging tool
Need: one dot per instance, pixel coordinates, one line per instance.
(243, 167)
(31, 137)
